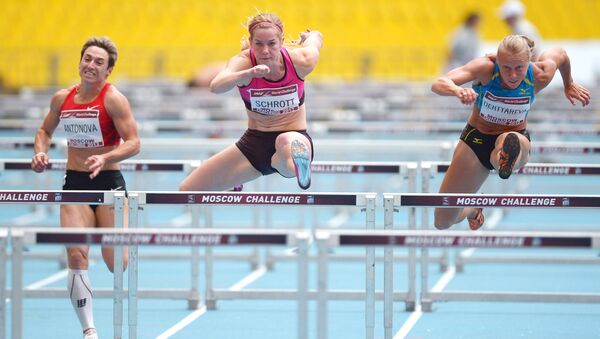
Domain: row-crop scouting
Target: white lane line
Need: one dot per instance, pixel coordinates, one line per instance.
(339, 219)
(47, 281)
(182, 220)
(62, 274)
(417, 313)
(29, 218)
(445, 279)
(55, 277)
(247, 280)
(183, 323)
(409, 323)
(250, 278)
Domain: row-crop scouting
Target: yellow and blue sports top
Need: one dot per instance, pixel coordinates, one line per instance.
(502, 106)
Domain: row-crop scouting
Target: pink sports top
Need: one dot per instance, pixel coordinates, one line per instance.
(88, 125)
(267, 97)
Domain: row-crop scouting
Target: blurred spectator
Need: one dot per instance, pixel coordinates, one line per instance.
(465, 42)
(512, 12)
(204, 75)
(4, 89)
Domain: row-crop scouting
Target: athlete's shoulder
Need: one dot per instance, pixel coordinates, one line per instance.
(59, 98)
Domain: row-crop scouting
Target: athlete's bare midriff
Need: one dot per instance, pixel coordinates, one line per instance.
(76, 158)
(285, 122)
(487, 127)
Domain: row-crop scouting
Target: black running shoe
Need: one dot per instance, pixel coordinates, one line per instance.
(508, 156)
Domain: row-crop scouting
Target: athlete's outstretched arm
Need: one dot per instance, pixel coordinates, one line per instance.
(237, 72)
(43, 136)
(450, 84)
(548, 63)
(307, 55)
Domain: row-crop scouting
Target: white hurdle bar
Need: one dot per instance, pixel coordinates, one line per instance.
(17, 291)
(530, 169)
(449, 200)
(445, 239)
(183, 237)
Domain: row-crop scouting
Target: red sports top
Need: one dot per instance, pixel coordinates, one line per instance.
(88, 125)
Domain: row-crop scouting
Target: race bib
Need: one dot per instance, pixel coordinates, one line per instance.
(275, 101)
(508, 111)
(82, 128)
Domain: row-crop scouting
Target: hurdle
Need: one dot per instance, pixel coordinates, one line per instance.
(442, 148)
(17, 291)
(21, 144)
(143, 166)
(365, 201)
(228, 127)
(530, 169)
(444, 239)
(372, 146)
(448, 200)
(407, 171)
(161, 237)
(404, 170)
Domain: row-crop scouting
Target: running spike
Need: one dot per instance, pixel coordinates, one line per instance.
(301, 159)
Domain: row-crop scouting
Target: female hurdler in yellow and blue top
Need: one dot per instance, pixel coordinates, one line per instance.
(504, 86)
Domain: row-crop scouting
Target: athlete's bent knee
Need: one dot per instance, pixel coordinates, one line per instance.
(184, 187)
(440, 222)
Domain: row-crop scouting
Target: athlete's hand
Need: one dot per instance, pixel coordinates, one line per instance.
(94, 164)
(303, 36)
(39, 162)
(466, 96)
(577, 92)
(259, 71)
(491, 56)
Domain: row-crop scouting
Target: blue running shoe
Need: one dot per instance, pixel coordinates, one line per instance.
(301, 158)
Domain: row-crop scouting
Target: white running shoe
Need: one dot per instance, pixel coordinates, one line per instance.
(301, 158)
(90, 333)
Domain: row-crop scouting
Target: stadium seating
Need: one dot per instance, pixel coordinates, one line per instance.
(380, 39)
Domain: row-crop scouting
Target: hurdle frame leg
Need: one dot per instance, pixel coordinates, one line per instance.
(194, 300)
(322, 240)
(210, 298)
(118, 269)
(388, 270)
(426, 303)
(3, 235)
(303, 238)
(17, 285)
(370, 272)
(412, 253)
(132, 290)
